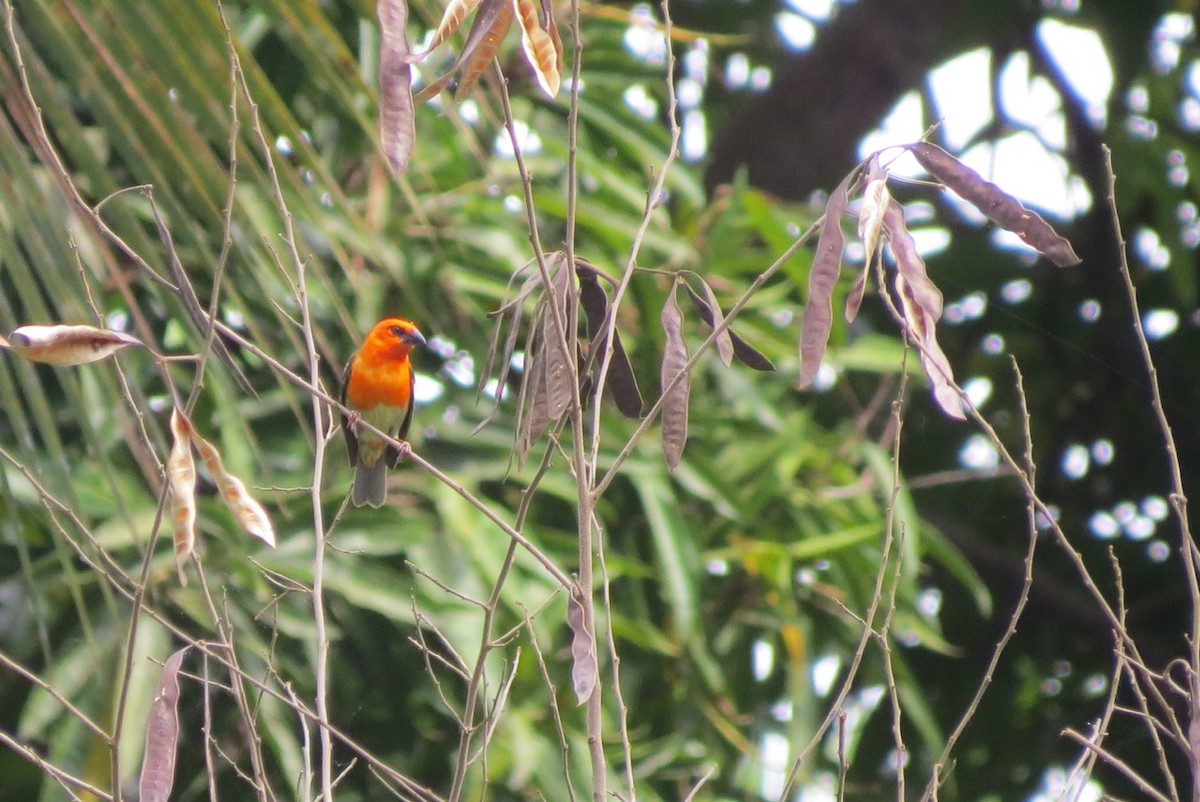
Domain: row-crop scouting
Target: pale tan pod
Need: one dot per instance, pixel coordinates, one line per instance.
(249, 513)
(542, 47)
(66, 345)
(933, 359)
(875, 202)
(583, 656)
(453, 16)
(181, 477)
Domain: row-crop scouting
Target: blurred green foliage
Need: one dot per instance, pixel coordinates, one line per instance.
(703, 566)
(729, 581)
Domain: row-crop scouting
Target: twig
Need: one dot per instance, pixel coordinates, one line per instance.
(1187, 546)
(565, 331)
(618, 694)
(58, 774)
(843, 764)
(492, 718)
(486, 639)
(236, 675)
(298, 265)
(554, 710)
(1120, 765)
(126, 587)
(1100, 729)
(17, 668)
(897, 421)
(1153, 724)
(957, 476)
(868, 632)
(652, 200)
(614, 468)
(1018, 608)
(1042, 509)
(458, 665)
(708, 773)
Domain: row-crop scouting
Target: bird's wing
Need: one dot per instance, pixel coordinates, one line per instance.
(347, 429)
(402, 434)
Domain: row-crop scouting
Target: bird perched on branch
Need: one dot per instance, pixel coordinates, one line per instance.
(377, 386)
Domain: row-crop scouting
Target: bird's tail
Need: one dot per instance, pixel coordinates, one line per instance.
(370, 485)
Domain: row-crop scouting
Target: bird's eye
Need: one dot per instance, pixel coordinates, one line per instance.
(399, 332)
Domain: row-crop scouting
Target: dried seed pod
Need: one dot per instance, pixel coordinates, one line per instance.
(855, 298)
(530, 393)
(539, 405)
(162, 735)
(583, 655)
(725, 338)
(560, 369)
(247, 511)
(181, 477)
(827, 263)
(480, 50)
(933, 359)
(675, 397)
(452, 17)
(396, 125)
(621, 383)
(909, 262)
(67, 345)
(491, 23)
(539, 39)
(875, 201)
(746, 353)
(870, 223)
(500, 354)
(1001, 207)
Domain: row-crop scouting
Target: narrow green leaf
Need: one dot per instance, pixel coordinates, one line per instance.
(679, 565)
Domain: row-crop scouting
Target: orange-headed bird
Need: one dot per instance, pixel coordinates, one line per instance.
(378, 385)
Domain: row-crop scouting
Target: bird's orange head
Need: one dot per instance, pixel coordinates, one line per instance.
(392, 339)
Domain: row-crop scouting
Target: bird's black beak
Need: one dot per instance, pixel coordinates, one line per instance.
(413, 337)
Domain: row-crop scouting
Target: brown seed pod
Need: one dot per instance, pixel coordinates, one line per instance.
(1002, 208)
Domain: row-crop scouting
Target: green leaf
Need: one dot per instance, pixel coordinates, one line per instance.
(674, 548)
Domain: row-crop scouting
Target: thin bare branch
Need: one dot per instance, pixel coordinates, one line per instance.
(1120, 765)
(67, 781)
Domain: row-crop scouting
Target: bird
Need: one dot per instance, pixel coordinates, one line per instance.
(377, 386)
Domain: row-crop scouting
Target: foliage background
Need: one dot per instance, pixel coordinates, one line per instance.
(728, 581)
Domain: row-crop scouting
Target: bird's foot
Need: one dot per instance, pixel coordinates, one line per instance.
(353, 420)
(404, 450)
